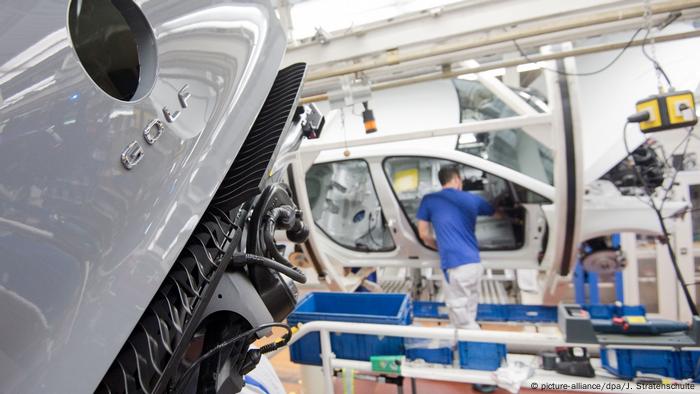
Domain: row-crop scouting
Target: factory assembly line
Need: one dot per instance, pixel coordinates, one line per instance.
(181, 206)
(332, 181)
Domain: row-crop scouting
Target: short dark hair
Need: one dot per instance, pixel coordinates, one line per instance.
(447, 173)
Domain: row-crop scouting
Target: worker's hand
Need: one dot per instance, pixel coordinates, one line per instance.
(499, 214)
(425, 233)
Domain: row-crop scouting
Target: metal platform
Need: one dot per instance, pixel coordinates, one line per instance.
(492, 288)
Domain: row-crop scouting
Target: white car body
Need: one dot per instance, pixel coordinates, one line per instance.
(574, 212)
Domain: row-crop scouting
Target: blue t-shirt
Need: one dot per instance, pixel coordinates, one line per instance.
(453, 215)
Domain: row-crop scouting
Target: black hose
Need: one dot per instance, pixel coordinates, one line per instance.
(271, 247)
(285, 217)
(184, 378)
(292, 272)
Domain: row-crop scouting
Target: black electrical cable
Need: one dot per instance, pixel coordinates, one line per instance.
(583, 74)
(180, 382)
(675, 173)
(656, 64)
(664, 230)
(369, 231)
(686, 141)
(668, 158)
(271, 247)
(674, 261)
(270, 227)
(278, 262)
(629, 154)
(292, 272)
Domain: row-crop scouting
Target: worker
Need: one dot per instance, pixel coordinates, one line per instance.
(452, 214)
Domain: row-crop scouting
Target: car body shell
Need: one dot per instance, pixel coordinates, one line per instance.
(84, 242)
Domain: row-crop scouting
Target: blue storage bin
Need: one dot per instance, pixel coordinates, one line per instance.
(626, 363)
(442, 355)
(491, 312)
(690, 364)
(524, 313)
(516, 313)
(429, 350)
(602, 311)
(373, 308)
(430, 310)
(532, 313)
(481, 355)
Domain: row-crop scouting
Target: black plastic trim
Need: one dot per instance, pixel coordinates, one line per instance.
(242, 181)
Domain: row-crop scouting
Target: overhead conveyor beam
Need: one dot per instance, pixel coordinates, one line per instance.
(515, 62)
(543, 120)
(580, 18)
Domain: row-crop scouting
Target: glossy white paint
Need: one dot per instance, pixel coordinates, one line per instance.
(84, 242)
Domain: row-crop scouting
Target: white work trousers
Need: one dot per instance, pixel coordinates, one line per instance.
(462, 294)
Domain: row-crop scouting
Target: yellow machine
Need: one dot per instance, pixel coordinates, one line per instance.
(666, 111)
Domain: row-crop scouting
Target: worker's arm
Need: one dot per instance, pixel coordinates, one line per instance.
(484, 207)
(425, 234)
(499, 214)
(491, 209)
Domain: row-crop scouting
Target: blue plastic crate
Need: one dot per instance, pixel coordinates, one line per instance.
(442, 355)
(430, 310)
(516, 313)
(690, 365)
(524, 313)
(603, 311)
(491, 312)
(626, 363)
(532, 313)
(429, 350)
(481, 355)
(350, 307)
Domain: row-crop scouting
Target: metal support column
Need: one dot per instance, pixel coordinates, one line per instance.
(583, 280)
(326, 359)
(579, 280)
(619, 282)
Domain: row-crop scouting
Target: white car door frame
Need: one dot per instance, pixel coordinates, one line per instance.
(409, 252)
(525, 257)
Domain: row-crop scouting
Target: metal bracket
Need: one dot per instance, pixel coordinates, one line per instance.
(351, 92)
